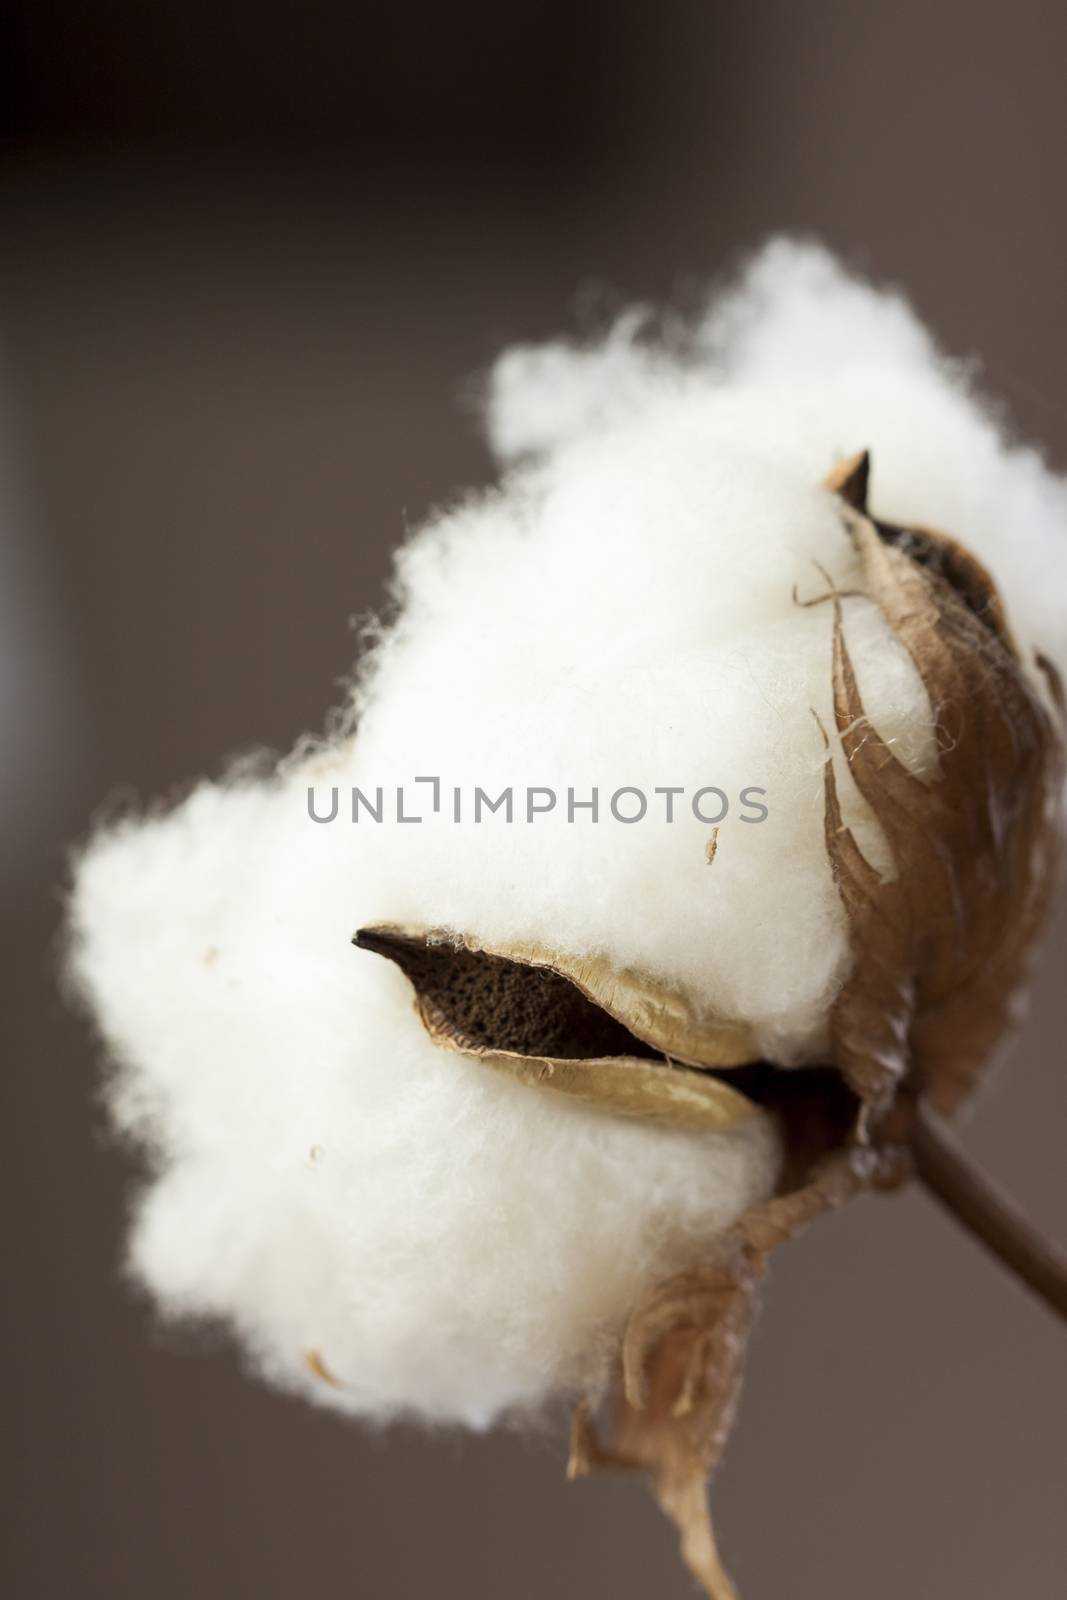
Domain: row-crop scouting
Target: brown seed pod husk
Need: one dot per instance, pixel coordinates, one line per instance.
(610, 1039)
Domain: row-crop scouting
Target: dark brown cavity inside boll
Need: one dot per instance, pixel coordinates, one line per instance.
(485, 1002)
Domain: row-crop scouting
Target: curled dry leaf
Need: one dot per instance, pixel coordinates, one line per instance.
(682, 1362)
(940, 949)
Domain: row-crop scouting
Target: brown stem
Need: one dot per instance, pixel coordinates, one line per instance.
(942, 1167)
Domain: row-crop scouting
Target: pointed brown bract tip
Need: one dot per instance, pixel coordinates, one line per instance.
(851, 480)
(388, 942)
(411, 953)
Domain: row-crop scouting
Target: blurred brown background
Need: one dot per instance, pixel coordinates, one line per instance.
(250, 252)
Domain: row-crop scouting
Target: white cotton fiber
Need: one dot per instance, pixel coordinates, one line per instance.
(618, 614)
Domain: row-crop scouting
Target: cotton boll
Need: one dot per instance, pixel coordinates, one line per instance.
(626, 611)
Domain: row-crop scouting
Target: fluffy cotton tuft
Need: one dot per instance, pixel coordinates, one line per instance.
(620, 613)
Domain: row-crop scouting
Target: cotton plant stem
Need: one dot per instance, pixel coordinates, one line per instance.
(988, 1214)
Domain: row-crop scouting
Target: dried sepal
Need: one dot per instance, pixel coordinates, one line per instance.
(572, 1027)
(940, 950)
(685, 1350)
(671, 1096)
(682, 1363)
